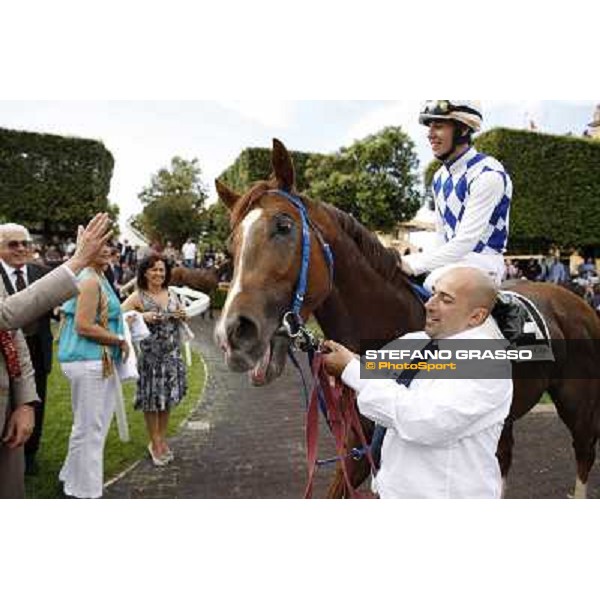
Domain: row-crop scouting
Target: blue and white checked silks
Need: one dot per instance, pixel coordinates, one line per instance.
(472, 196)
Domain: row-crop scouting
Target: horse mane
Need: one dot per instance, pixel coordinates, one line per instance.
(384, 261)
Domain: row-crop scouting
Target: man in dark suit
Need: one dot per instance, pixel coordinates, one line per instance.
(17, 382)
(18, 273)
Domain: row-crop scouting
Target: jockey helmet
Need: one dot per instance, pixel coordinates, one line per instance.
(467, 112)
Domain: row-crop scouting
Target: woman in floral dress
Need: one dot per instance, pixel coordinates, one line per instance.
(163, 382)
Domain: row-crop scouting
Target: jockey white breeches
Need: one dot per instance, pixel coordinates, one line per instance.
(492, 264)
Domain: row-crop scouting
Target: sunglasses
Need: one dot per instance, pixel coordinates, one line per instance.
(14, 244)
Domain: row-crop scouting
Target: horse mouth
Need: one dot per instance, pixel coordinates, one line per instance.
(262, 366)
(271, 363)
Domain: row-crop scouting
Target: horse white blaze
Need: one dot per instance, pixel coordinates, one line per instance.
(246, 225)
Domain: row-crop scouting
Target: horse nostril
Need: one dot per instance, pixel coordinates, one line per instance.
(241, 330)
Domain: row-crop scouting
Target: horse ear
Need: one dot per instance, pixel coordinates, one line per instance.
(227, 196)
(283, 167)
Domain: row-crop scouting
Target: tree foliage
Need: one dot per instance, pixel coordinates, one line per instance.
(215, 227)
(173, 203)
(254, 164)
(375, 179)
(51, 183)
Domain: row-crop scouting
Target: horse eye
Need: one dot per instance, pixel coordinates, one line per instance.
(283, 224)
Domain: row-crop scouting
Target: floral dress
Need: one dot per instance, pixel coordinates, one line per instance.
(163, 382)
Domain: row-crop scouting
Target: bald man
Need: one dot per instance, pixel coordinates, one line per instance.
(442, 434)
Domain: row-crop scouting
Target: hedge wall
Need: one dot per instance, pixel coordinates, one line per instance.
(51, 183)
(254, 164)
(556, 179)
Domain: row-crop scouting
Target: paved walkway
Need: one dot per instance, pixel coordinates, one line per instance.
(240, 441)
(245, 442)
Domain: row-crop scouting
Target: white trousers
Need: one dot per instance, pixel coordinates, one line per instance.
(491, 264)
(93, 400)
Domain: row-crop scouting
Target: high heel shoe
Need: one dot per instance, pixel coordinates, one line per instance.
(157, 461)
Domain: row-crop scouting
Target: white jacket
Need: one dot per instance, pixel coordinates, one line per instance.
(442, 434)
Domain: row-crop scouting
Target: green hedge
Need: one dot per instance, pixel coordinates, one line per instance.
(556, 179)
(254, 164)
(51, 183)
(219, 298)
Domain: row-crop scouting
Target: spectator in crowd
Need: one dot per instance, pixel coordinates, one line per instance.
(512, 271)
(17, 274)
(188, 252)
(558, 272)
(596, 298)
(141, 253)
(127, 274)
(16, 372)
(545, 264)
(533, 270)
(209, 259)
(162, 383)
(126, 253)
(53, 258)
(70, 247)
(587, 270)
(112, 271)
(91, 340)
(170, 253)
(36, 254)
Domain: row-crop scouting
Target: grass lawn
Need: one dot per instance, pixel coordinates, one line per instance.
(117, 455)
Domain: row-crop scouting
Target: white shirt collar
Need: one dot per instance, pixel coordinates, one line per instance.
(470, 334)
(460, 163)
(10, 271)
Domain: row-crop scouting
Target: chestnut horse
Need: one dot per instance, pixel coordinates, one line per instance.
(368, 297)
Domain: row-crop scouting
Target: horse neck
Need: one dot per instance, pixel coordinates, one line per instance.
(365, 304)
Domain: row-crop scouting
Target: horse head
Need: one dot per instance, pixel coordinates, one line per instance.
(268, 239)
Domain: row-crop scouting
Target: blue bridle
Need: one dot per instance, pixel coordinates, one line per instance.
(292, 321)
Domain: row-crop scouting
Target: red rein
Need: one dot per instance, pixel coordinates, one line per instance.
(342, 414)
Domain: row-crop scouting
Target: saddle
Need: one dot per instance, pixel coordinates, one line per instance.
(522, 324)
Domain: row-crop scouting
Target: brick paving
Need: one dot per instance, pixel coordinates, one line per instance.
(239, 442)
(245, 442)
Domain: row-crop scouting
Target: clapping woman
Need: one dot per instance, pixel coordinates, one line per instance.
(163, 382)
(91, 341)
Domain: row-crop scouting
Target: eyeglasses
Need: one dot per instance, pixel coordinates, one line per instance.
(14, 244)
(438, 107)
(443, 108)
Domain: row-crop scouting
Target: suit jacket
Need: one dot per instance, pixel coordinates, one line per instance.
(43, 330)
(17, 311)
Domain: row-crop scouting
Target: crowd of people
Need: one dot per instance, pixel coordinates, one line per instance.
(584, 280)
(81, 288)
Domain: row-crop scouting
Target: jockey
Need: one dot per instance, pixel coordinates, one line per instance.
(472, 195)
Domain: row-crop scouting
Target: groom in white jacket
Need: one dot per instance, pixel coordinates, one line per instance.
(442, 434)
